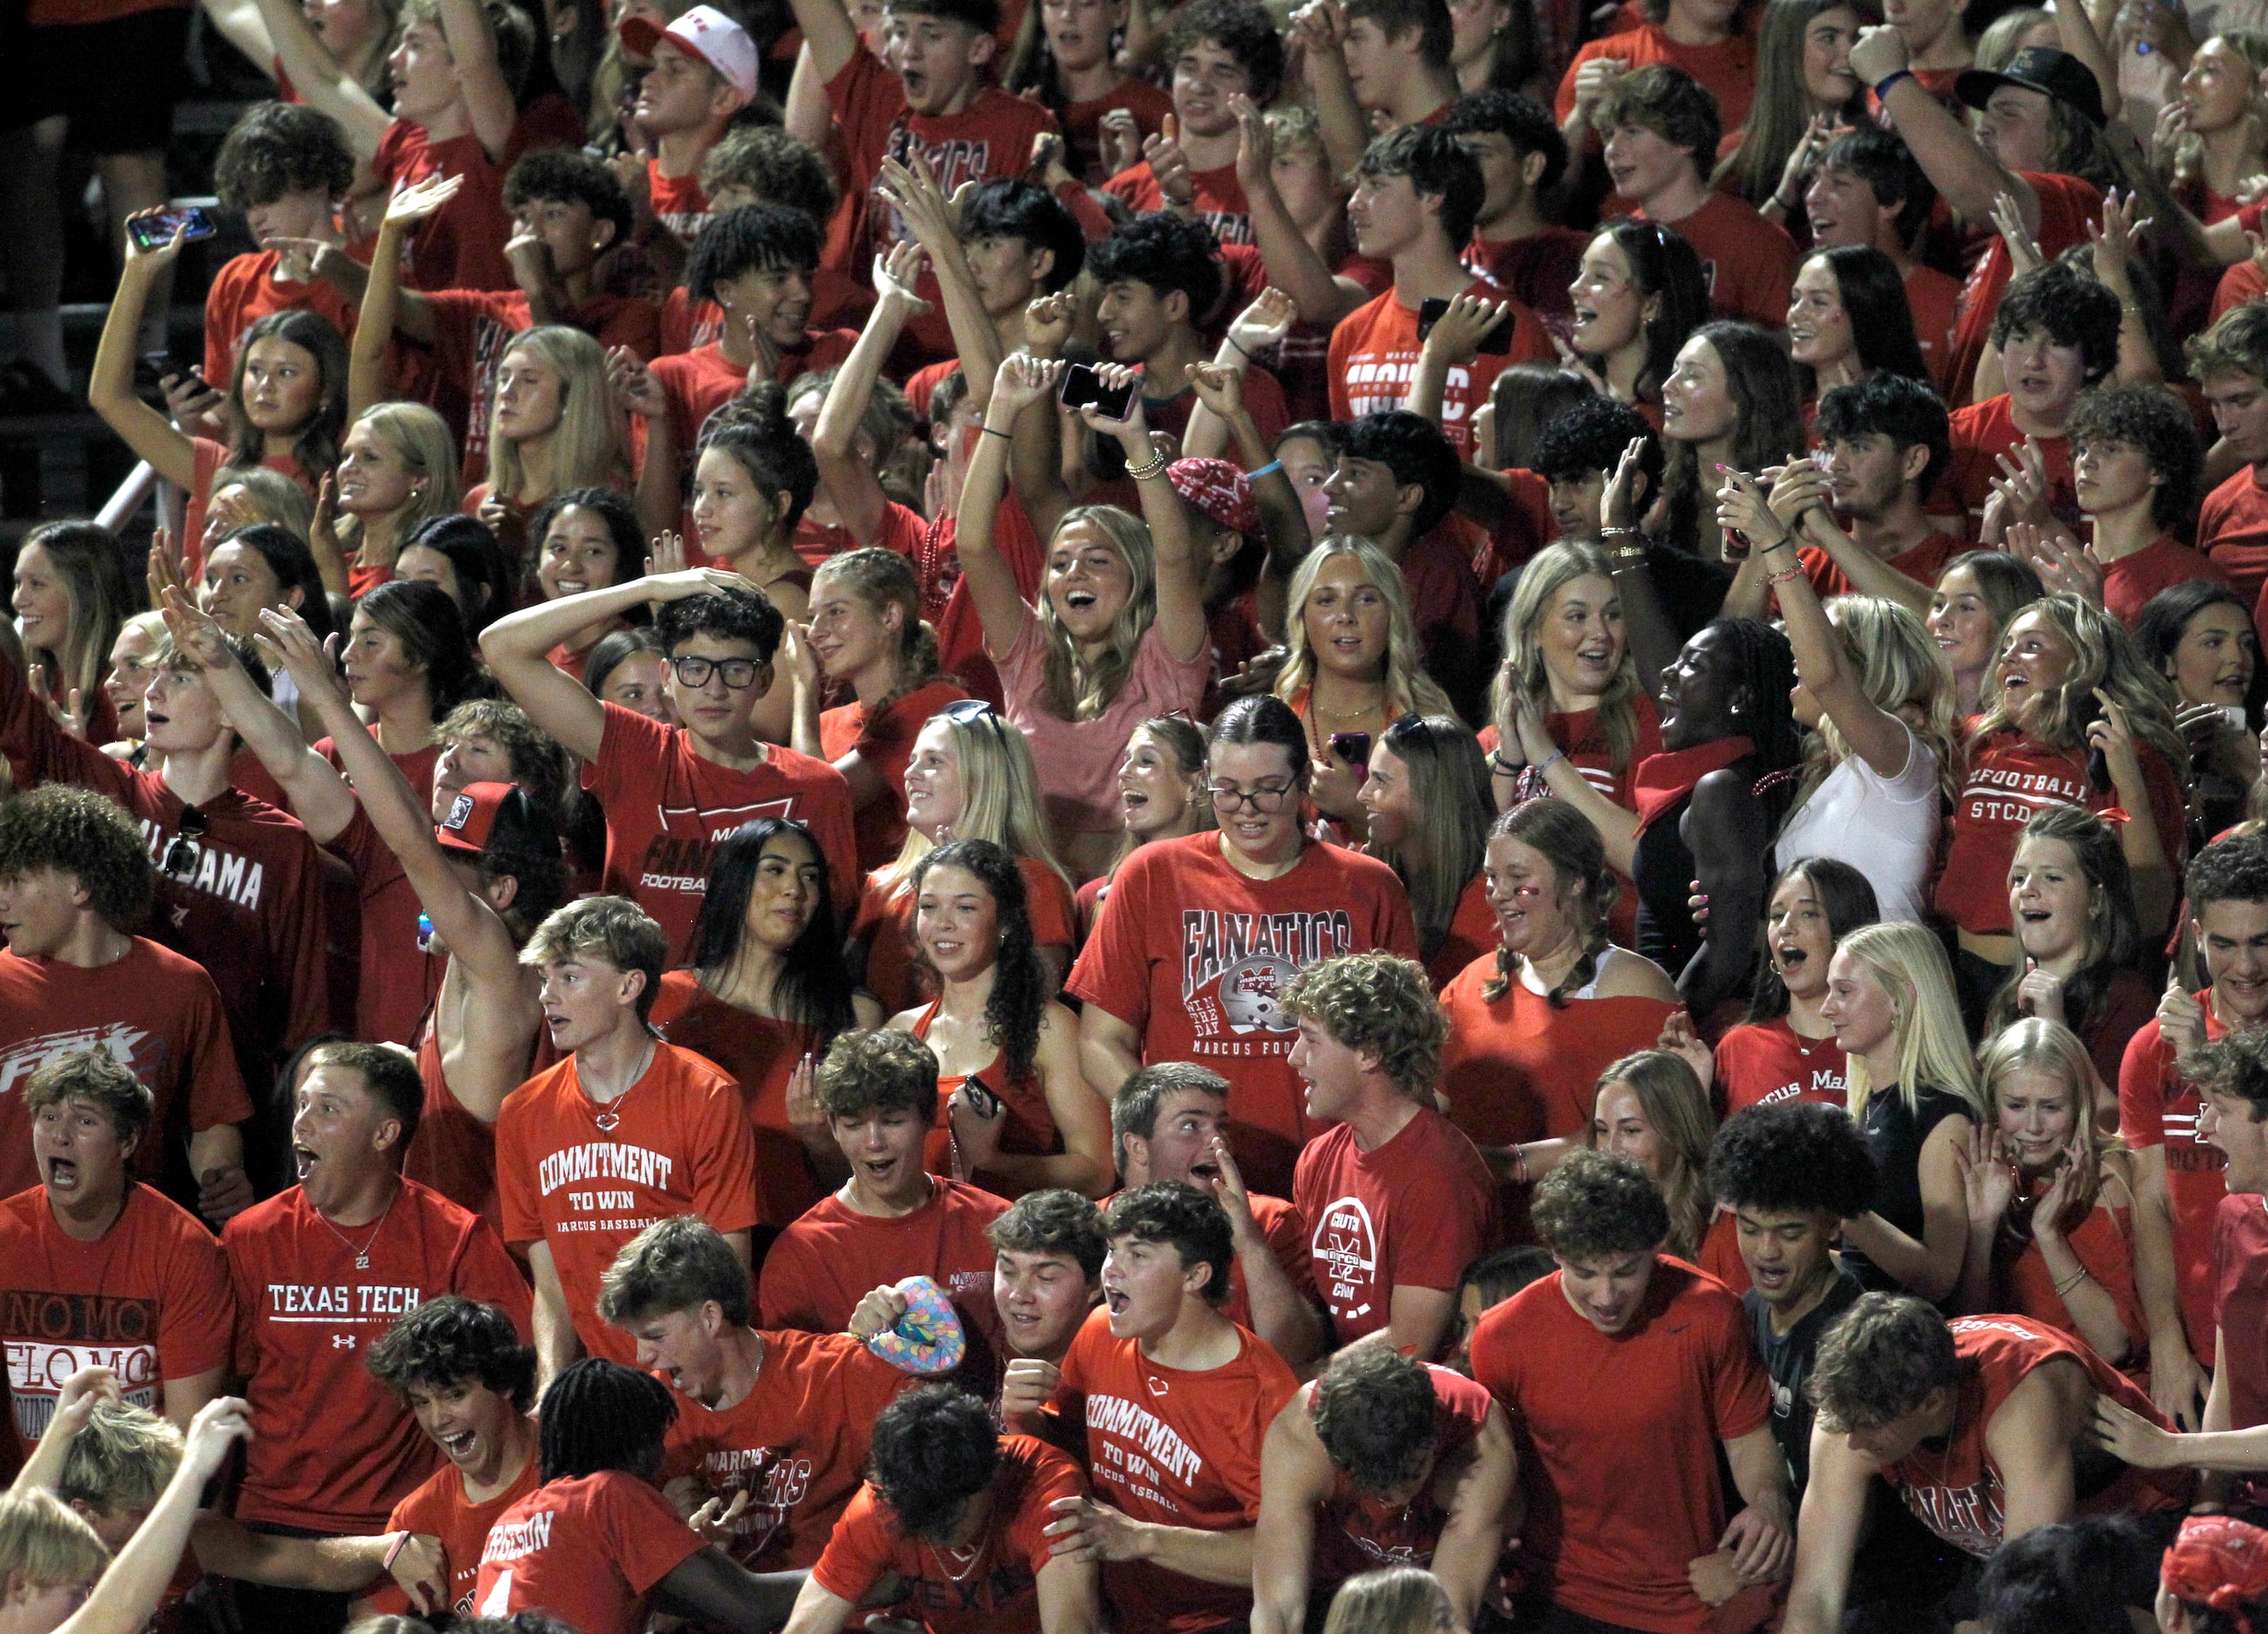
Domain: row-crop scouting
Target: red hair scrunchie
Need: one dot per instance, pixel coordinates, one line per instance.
(2218, 1562)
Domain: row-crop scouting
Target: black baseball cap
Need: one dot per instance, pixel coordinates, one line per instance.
(2052, 73)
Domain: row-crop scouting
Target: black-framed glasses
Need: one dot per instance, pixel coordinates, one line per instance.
(1263, 798)
(740, 674)
(182, 852)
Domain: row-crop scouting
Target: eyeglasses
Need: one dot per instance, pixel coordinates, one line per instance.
(1263, 798)
(183, 853)
(739, 673)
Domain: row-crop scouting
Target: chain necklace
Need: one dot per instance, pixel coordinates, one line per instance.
(362, 1254)
(968, 1557)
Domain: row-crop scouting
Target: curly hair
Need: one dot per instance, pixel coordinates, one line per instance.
(569, 176)
(2074, 309)
(1171, 253)
(676, 1264)
(2234, 869)
(1054, 1221)
(724, 616)
(2158, 424)
(871, 1070)
(2236, 1064)
(1022, 992)
(934, 1448)
(278, 148)
(1243, 30)
(777, 168)
(1176, 1213)
(1379, 1417)
(120, 1460)
(597, 1416)
(1587, 888)
(451, 1339)
(1379, 1002)
(1597, 1205)
(101, 1080)
(1793, 1156)
(1520, 120)
(76, 831)
(1880, 1361)
(754, 237)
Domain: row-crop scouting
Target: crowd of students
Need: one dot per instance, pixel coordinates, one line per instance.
(1099, 815)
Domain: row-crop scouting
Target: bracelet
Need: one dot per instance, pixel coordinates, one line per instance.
(1783, 204)
(1556, 756)
(1618, 533)
(1504, 768)
(1144, 473)
(1231, 340)
(989, 432)
(1625, 556)
(1883, 86)
(1784, 576)
(1273, 465)
(2072, 1281)
(1519, 1164)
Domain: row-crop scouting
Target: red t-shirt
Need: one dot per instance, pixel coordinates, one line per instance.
(1981, 433)
(1728, 69)
(333, 1450)
(1415, 1210)
(1922, 563)
(990, 138)
(759, 1054)
(1191, 954)
(998, 1593)
(1028, 1123)
(586, 1179)
(460, 246)
(2233, 531)
(2067, 206)
(472, 328)
(1356, 1533)
(677, 201)
(247, 290)
(149, 1299)
(2130, 582)
(1374, 353)
(590, 1551)
(152, 1010)
(1217, 196)
(1931, 296)
(1618, 1435)
(1956, 1491)
(2011, 779)
(895, 973)
(1537, 270)
(667, 808)
(2104, 1243)
(1286, 1230)
(1748, 258)
(796, 1443)
(440, 1509)
(1176, 1448)
(1473, 933)
(1082, 122)
(1518, 1069)
(886, 744)
(2157, 1106)
(822, 1266)
(1763, 1062)
(208, 460)
(2240, 1280)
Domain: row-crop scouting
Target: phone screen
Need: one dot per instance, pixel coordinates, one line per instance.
(155, 232)
(1083, 386)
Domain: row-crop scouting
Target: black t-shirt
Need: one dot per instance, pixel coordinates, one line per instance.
(1895, 1134)
(1787, 1357)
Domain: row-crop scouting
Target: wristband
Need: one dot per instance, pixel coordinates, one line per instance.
(1883, 86)
(1504, 768)
(1231, 340)
(393, 1551)
(1273, 465)
(989, 432)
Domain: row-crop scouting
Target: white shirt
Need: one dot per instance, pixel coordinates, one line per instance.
(1886, 827)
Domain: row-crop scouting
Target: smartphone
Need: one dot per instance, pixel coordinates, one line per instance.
(1083, 386)
(1353, 747)
(155, 231)
(1495, 344)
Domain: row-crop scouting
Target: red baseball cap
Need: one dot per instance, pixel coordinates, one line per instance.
(472, 819)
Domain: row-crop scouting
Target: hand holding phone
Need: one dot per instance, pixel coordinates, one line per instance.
(1353, 747)
(154, 230)
(1083, 387)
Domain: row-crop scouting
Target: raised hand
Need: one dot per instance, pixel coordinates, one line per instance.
(196, 633)
(70, 715)
(1266, 321)
(877, 1314)
(634, 385)
(2040, 993)
(1046, 324)
(912, 186)
(1569, 358)
(2118, 241)
(897, 271)
(1457, 334)
(2062, 562)
(1256, 144)
(1988, 1182)
(419, 199)
(667, 555)
(159, 257)
(1135, 424)
(2113, 733)
(220, 1424)
(1022, 380)
(2024, 252)
(1122, 140)
(1679, 1040)
(1219, 387)
(1801, 158)
(1743, 509)
(1592, 79)
(1170, 165)
(1617, 501)
(2181, 1018)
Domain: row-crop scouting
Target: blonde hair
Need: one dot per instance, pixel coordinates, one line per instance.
(880, 579)
(45, 1542)
(1997, 45)
(999, 798)
(590, 447)
(2104, 658)
(122, 1459)
(1549, 570)
(1677, 1108)
(1408, 690)
(1294, 125)
(1910, 963)
(1904, 672)
(2251, 48)
(1401, 1600)
(2052, 1048)
(417, 437)
(274, 496)
(1078, 688)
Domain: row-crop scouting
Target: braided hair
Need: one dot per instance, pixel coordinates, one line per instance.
(599, 1415)
(1763, 672)
(1588, 889)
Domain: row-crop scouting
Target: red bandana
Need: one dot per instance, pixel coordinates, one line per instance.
(1665, 779)
(1219, 490)
(2220, 1562)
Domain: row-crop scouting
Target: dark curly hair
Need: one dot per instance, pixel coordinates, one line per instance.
(871, 1070)
(76, 831)
(1520, 120)
(451, 1339)
(1793, 1156)
(597, 1416)
(1907, 411)
(2236, 1064)
(1021, 989)
(1435, 162)
(763, 440)
(750, 239)
(1416, 450)
(1589, 437)
(278, 148)
(569, 176)
(1168, 252)
(724, 616)
(2074, 308)
(2235, 870)
(1175, 1211)
(813, 987)
(2154, 419)
(934, 1448)
(1596, 1205)
(1242, 29)
(1378, 1416)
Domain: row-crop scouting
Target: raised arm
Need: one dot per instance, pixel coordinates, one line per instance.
(319, 797)
(317, 75)
(1653, 642)
(110, 383)
(934, 221)
(849, 481)
(1290, 261)
(1282, 1314)
(386, 305)
(1345, 131)
(1261, 325)
(1021, 383)
(126, 1596)
(487, 96)
(1968, 176)
(1454, 339)
(827, 36)
(1181, 576)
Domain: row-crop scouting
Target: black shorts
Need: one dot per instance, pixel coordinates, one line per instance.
(116, 81)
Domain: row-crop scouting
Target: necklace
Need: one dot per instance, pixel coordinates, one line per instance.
(968, 1558)
(362, 1254)
(1363, 713)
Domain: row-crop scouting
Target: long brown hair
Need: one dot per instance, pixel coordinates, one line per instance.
(1587, 888)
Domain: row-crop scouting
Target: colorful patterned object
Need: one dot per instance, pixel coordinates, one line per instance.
(927, 1339)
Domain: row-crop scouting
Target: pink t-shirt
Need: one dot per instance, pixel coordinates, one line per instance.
(1078, 760)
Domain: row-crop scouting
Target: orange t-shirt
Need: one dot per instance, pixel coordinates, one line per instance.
(1373, 352)
(796, 1443)
(1191, 954)
(998, 1593)
(759, 1054)
(1519, 1069)
(886, 744)
(586, 1179)
(247, 290)
(440, 1509)
(333, 1450)
(1178, 1448)
(589, 1551)
(149, 1299)
(885, 923)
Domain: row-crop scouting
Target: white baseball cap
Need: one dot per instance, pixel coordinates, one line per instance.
(706, 32)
